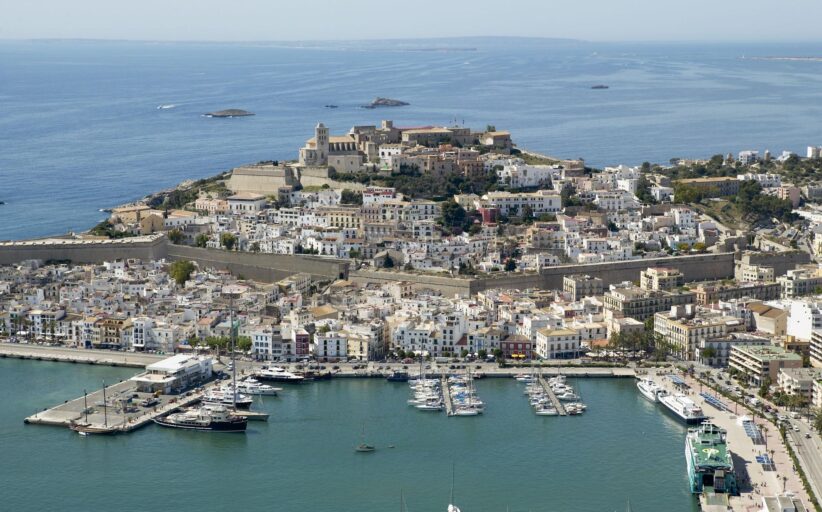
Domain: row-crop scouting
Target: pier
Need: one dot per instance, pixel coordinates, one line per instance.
(551, 395)
(445, 390)
(120, 412)
(758, 476)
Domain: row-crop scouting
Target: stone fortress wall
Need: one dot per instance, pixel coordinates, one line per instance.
(695, 268)
(266, 268)
(153, 247)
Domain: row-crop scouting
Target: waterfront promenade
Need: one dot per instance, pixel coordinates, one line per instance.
(755, 480)
(74, 355)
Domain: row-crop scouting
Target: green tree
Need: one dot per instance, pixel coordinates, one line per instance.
(463, 353)
(351, 197)
(510, 265)
(817, 419)
(482, 353)
(228, 240)
(201, 240)
(569, 196)
(181, 271)
(255, 247)
(388, 262)
(243, 343)
(453, 216)
(766, 385)
(217, 343)
(700, 247)
(175, 235)
(683, 247)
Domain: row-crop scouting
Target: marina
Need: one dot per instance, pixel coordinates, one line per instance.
(425, 446)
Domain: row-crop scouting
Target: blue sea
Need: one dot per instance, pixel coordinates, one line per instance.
(80, 129)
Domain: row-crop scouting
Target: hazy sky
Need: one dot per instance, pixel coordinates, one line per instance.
(244, 20)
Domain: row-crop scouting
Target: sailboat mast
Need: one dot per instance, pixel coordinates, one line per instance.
(105, 406)
(233, 366)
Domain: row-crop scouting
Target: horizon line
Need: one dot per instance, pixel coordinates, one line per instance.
(410, 39)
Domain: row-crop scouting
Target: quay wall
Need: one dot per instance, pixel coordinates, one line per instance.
(83, 251)
(267, 268)
(699, 267)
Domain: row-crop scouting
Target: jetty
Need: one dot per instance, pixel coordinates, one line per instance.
(552, 396)
(445, 389)
(116, 409)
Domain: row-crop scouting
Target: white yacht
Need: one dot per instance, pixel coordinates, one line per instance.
(222, 395)
(252, 386)
(649, 389)
(683, 407)
(277, 374)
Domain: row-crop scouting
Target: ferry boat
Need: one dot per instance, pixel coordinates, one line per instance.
(649, 389)
(277, 374)
(683, 407)
(207, 418)
(709, 462)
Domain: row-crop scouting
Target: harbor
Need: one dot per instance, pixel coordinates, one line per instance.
(425, 446)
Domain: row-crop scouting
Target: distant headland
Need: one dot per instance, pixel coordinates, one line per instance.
(385, 102)
(231, 112)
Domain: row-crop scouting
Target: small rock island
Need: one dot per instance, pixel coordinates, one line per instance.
(231, 112)
(385, 102)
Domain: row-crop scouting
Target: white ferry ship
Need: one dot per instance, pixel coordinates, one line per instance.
(683, 407)
(649, 389)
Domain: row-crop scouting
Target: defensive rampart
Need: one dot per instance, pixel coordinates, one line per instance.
(83, 251)
(695, 268)
(261, 267)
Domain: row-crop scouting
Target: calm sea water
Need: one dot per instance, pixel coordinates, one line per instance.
(303, 459)
(80, 129)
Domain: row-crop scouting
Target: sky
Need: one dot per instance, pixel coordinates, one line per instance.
(309, 20)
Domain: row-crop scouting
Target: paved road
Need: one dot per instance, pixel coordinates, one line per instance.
(113, 357)
(808, 451)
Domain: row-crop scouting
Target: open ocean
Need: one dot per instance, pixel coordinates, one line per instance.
(80, 129)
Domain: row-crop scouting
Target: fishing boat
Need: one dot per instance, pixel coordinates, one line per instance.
(206, 418)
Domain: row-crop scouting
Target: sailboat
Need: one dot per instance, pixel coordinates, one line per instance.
(364, 447)
(451, 506)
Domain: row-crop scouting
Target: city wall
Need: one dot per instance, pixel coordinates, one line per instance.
(695, 268)
(448, 286)
(266, 268)
(267, 179)
(84, 251)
